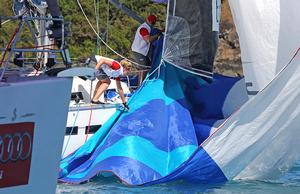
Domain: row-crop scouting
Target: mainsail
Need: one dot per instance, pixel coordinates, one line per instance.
(269, 36)
(191, 39)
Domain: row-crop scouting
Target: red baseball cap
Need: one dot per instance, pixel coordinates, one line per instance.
(115, 65)
(151, 19)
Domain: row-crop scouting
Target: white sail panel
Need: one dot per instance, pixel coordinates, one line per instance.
(216, 14)
(269, 36)
(261, 140)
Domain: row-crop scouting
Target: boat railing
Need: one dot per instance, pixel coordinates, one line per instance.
(46, 42)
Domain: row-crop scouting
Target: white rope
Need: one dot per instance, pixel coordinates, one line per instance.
(96, 20)
(144, 66)
(147, 79)
(5, 22)
(187, 70)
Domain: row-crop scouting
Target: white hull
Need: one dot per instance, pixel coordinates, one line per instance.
(35, 111)
(84, 118)
(83, 123)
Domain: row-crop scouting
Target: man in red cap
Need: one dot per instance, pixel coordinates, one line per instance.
(142, 41)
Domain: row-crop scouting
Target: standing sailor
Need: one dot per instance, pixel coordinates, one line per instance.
(142, 41)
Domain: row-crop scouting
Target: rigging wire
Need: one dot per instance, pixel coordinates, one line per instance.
(87, 19)
(68, 141)
(47, 46)
(107, 25)
(147, 79)
(96, 7)
(10, 53)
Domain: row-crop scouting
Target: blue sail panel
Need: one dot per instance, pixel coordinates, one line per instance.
(158, 139)
(200, 168)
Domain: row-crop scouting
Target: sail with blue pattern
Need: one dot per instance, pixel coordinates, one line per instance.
(195, 126)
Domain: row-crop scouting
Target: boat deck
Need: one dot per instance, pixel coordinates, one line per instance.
(88, 106)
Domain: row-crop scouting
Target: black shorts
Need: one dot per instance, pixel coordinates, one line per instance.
(141, 59)
(101, 75)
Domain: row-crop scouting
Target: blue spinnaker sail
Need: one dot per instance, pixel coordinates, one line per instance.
(172, 114)
(175, 128)
(159, 139)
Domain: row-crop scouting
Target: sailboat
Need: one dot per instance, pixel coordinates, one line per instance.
(30, 142)
(33, 108)
(85, 119)
(188, 123)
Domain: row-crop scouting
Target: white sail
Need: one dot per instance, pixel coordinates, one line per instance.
(269, 36)
(261, 140)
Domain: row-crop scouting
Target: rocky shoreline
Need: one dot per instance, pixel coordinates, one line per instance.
(228, 58)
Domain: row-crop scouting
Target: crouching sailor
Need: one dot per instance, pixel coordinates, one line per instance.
(108, 68)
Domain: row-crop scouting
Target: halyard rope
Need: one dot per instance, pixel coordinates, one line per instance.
(83, 12)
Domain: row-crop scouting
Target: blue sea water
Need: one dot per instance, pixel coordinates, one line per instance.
(288, 184)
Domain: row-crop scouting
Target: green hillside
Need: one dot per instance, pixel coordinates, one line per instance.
(117, 29)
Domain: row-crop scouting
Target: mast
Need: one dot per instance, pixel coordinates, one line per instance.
(127, 11)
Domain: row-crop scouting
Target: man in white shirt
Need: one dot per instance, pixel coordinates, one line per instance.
(142, 41)
(142, 44)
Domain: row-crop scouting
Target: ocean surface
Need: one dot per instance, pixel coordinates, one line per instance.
(288, 184)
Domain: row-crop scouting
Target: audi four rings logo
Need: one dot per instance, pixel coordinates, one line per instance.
(14, 147)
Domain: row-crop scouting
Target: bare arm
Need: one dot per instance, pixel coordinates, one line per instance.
(150, 39)
(120, 90)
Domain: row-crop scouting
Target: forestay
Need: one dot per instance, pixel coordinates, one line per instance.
(269, 37)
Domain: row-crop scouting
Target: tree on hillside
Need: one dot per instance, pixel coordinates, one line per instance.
(115, 27)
